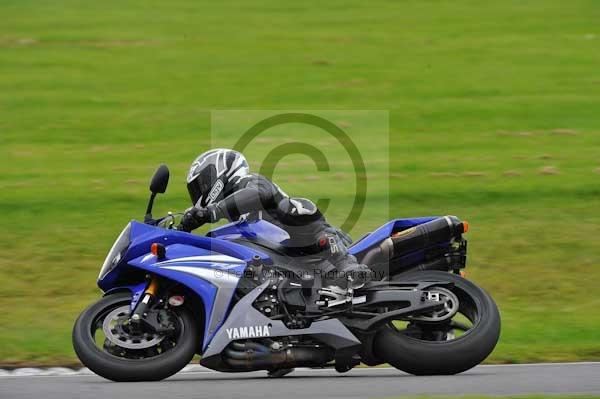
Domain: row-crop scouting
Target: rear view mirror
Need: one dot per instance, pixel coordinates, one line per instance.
(160, 180)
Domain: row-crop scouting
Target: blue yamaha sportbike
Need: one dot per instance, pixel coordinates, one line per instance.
(240, 301)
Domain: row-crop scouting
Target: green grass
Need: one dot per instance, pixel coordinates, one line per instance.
(494, 116)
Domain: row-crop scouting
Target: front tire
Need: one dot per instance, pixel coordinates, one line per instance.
(160, 363)
(430, 352)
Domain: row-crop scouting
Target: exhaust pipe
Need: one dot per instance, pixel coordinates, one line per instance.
(421, 236)
(251, 356)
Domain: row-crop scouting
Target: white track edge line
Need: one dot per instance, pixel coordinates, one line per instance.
(193, 369)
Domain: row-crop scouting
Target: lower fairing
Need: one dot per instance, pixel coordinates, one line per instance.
(244, 320)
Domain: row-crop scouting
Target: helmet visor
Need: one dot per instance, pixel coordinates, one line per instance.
(195, 191)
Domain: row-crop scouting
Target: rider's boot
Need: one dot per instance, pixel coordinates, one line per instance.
(348, 270)
(345, 266)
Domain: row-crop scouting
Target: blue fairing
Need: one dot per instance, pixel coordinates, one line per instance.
(210, 267)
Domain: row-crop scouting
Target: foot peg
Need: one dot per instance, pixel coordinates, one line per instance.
(335, 296)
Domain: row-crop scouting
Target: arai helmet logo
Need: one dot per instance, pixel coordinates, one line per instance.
(216, 190)
(248, 332)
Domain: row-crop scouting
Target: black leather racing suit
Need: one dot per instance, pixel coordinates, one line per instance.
(256, 197)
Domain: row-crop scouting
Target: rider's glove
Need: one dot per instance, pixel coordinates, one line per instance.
(195, 217)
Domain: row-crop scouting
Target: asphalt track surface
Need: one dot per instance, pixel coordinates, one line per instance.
(358, 383)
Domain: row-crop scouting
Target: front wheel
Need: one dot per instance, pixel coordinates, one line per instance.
(427, 346)
(109, 345)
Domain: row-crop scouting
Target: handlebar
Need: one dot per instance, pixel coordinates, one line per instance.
(166, 222)
(169, 222)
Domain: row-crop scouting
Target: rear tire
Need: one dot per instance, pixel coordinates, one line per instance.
(425, 357)
(124, 369)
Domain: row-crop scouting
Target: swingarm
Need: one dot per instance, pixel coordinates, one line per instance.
(386, 301)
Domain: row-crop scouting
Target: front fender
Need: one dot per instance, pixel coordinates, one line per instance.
(136, 291)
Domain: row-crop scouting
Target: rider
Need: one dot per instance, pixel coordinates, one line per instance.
(221, 186)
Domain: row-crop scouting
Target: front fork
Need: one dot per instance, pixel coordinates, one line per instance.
(152, 314)
(149, 294)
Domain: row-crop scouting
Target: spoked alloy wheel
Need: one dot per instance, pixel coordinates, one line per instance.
(446, 311)
(456, 318)
(450, 340)
(123, 339)
(111, 346)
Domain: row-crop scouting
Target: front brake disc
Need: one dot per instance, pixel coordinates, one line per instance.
(115, 327)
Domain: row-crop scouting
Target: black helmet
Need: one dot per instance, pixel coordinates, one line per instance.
(213, 173)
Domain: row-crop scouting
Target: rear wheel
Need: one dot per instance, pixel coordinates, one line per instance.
(109, 345)
(436, 344)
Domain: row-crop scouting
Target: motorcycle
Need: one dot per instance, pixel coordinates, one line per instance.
(241, 301)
